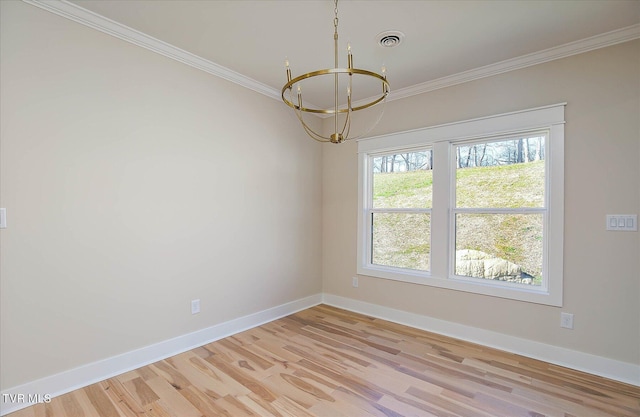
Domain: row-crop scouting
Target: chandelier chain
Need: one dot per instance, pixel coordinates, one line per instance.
(335, 22)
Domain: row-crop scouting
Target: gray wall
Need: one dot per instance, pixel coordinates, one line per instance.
(133, 184)
(602, 176)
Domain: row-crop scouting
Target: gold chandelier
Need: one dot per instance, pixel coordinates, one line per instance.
(341, 128)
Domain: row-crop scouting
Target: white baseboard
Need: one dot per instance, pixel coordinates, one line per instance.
(73, 379)
(82, 376)
(609, 368)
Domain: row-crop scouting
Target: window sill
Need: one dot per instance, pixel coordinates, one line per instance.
(478, 286)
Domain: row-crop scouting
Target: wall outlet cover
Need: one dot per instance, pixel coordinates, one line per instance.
(195, 306)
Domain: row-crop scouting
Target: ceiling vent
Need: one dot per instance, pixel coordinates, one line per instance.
(390, 38)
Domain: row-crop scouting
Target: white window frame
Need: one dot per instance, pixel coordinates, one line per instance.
(440, 139)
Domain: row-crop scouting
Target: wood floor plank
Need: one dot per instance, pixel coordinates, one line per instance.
(328, 362)
(235, 407)
(124, 400)
(101, 401)
(246, 354)
(289, 407)
(200, 375)
(247, 381)
(84, 402)
(71, 405)
(404, 408)
(205, 404)
(214, 381)
(171, 400)
(169, 372)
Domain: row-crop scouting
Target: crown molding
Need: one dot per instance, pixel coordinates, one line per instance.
(558, 52)
(93, 20)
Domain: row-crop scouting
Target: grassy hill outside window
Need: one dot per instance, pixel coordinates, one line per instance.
(476, 206)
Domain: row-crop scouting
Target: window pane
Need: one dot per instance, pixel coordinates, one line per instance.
(401, 240)
(505, 247)
(403, 180)
(501, 174)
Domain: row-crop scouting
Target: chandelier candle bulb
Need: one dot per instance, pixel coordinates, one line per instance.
(385, 87)
(286, 63)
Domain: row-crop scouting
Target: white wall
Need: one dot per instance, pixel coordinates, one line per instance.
(133, 184)
(602, 176)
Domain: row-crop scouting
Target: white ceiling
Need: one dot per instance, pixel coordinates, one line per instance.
(443, 38)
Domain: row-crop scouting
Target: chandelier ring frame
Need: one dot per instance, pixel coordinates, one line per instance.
(335, 71)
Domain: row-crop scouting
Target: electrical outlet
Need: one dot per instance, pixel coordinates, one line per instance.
(354, 282)
(195, 306)
(566, 320)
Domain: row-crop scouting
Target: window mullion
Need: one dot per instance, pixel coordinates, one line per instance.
(400, 210)
(440, 210)
(491, 210)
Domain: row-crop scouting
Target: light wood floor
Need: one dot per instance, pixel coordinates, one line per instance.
(328, 362)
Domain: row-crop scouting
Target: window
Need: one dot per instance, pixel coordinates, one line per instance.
(473, 206)
(500, 209)
(400, 209)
